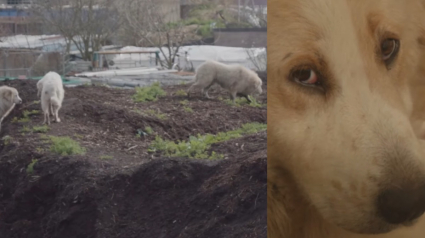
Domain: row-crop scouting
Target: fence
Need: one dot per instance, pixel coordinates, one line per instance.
(109, 59)
(20, 63)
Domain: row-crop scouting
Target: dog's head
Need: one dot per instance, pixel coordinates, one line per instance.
(339, 106)
(256, 86)
(11, 95)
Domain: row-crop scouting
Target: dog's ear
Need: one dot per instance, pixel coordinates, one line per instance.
(7, 95)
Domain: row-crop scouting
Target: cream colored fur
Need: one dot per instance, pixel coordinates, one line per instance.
(52, 95)
(331, 152)
(9, 97)
(40, 82)
(236, 79)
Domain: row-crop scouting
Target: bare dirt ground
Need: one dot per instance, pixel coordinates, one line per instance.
(134, 193)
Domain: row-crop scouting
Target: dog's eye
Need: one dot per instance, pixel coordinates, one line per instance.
(389, 50)
(306, 77)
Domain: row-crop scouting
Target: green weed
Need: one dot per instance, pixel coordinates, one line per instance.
(181, 92)
(106, 157)
(157, 114)
(240, 101)
(30, 168)
(197, 146)
(184, 102)
(40, 129)
(149, 93)
(6, 139)
(27, 113)
(188, 109)
(26, 129)
(65, 146)
(149, 130)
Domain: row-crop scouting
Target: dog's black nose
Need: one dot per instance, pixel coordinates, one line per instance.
(397, 206)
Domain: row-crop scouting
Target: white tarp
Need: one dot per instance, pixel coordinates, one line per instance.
(198, 54)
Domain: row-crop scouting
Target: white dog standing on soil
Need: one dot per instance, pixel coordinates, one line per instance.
(9, 97)
(238, 80)
(52, 94)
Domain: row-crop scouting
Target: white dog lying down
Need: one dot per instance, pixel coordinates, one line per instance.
(52, 94)
(9, 97)
(238, 80)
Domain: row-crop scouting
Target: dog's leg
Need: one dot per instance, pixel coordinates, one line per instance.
(46, 115)
(205, 90)
(52, 111)
(189, 90)
(233, 97)
(247, 98)
(57, 114)
(46, 118)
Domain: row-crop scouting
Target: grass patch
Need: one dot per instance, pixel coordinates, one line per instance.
(240, 101)
(197, 146)
(23, 120)
(6, 139)
(149, 130)
(27, 113)
(25, 116)
(26, 129)
(106, 157)
(184, 102)
(157, 114)
(181, 92)
(149, 93)
(40, 129)
(188, 109)
(65, 146)
(30, 167)
(78, 136)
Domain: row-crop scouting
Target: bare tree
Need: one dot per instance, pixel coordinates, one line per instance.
(56, 18)
(97, 24)
(258, 59)
(153, 23)
(85, 23)
(242, 13)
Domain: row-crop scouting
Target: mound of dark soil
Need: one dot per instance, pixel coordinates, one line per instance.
(133, 193)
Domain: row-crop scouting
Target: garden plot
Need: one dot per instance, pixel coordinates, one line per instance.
(126, 163)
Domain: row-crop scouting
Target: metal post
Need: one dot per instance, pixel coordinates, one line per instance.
(5, 63)
(156, 58)
(239, 10)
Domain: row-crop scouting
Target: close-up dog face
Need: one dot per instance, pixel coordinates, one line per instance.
(339, 107)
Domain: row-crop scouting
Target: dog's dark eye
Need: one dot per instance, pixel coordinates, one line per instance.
(305, 76)
(389, 50)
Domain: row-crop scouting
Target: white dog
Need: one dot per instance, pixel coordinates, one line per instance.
(9, 97)
(238, 80)
(40, 83)
(52, 94)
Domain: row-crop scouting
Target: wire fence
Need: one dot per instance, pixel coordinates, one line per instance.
(15, 63)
